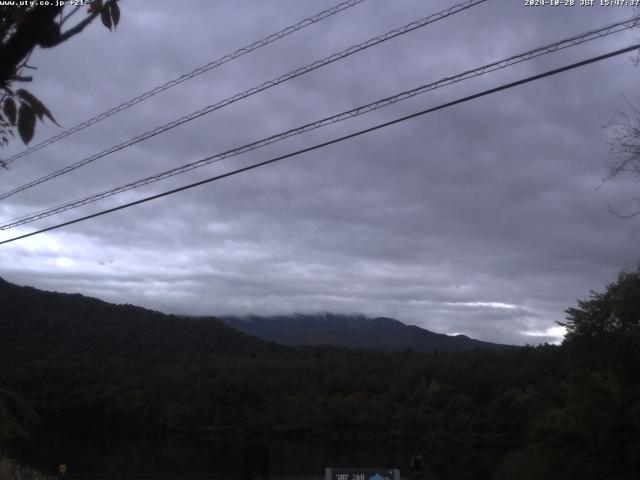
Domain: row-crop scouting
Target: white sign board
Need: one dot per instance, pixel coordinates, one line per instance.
(361, 473)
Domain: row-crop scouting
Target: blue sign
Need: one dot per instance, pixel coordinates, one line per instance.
(361, 474)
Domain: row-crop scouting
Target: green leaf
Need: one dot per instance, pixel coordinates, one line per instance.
(26, 122)
(105, 16)
(10, 110)
(38, 107)
(115, 13)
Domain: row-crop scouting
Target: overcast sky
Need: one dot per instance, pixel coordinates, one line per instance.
(483, 219)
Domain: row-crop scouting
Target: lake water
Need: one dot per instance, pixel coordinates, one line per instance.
(192, 458)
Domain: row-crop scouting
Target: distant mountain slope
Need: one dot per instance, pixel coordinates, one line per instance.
(351, 331)
(38, 325)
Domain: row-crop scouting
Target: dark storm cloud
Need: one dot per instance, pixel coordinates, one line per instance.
(482, 219)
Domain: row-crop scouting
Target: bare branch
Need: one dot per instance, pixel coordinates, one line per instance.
(624, 142)
(621, 216)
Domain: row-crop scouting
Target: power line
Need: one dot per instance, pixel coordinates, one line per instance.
(515, 59)
(188, 76)
(335, 140)
(252, 91)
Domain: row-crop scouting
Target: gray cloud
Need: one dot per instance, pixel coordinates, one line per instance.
(482, 219)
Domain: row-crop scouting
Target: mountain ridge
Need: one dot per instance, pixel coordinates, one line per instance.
(351, 331)
(38, 325)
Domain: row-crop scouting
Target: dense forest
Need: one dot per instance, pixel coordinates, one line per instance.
(577, 405)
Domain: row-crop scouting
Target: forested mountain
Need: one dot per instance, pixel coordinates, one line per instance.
(352, 331)
(47, 325)
(39, 325)
(570, 411)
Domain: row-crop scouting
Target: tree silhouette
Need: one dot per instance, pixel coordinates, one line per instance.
(613, 314)
(22, 29)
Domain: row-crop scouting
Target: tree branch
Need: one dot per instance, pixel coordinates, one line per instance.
(620, 216)
(69, 15)
(20, 78)
(81, 25)
(37, 24)
(39, 28)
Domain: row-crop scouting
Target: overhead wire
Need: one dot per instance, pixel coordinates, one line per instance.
(334, 141)
(188, 76)
(254, 90)
(363, 109)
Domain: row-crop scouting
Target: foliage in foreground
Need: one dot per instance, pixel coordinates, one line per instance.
(25, 26)
(10, 470)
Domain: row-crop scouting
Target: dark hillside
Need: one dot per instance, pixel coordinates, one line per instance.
(39, 325)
